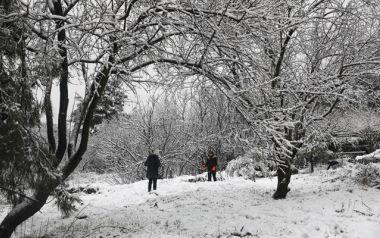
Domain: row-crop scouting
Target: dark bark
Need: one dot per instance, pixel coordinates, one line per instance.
(182, 167)
(63, 88)
(96, 92)
(277, 70)
(49, 117)
(284, 170)
(83, 108)
(79, 120)
(28, 207)
(311, 164)
(284, 173)
(21, 212)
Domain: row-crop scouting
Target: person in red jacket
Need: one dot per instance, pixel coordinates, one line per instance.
(211, 164)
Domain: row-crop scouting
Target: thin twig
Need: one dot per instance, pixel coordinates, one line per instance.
(370, 209)
(363, 213)
(75, 218)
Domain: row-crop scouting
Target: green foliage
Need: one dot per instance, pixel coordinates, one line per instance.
(22, 154)
(110, 105)
(255, 163)
(25, 161)
(11, 34)
(316, 147)
(368, 175)
(65, 201)
(370, 138)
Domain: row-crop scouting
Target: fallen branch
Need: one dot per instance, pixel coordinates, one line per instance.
(363, 213)
(238, 234)
(82, 217)
(366, 206)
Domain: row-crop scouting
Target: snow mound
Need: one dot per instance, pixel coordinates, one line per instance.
(372, 157)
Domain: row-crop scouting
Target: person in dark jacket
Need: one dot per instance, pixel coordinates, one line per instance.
(152, 163)
(332, 164)
(211, 165)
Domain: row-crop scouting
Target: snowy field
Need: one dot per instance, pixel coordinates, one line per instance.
(322, 204)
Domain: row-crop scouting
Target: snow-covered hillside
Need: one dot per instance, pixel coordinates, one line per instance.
(323, 204)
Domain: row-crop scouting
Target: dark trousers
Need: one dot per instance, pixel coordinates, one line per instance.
(154, 181)
(213, 175)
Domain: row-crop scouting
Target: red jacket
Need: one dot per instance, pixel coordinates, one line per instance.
(212, 164)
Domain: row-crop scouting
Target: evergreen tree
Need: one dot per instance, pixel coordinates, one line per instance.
(19, 112)
(110, 105)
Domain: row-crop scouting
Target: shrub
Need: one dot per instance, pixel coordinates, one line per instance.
(370, 138)
(369, 175)
(251, 165)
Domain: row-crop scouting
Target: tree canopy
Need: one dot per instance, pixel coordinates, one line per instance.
(280, 67)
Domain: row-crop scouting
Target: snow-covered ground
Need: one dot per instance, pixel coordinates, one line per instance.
(322, 204)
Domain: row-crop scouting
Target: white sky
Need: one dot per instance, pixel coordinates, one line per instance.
(79, 88)
(55, 95)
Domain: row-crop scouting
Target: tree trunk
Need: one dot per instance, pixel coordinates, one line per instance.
(312, 164)
(284, 173)
(21, 212)
(182, 167)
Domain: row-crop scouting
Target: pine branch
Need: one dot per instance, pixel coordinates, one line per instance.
(18, 193)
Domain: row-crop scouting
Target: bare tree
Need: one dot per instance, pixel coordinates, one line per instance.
(282, 65)
(285, 65)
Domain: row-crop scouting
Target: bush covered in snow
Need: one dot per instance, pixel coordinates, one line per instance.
(370, 138)
(363, 174)
(241, 167)
(315, 149)
(251, 165)
(369, 158)
(369, 175)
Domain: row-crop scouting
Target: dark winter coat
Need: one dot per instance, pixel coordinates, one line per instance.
(211, 162)
(153, 163)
